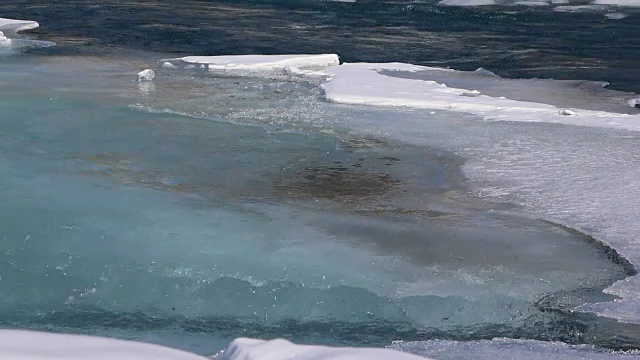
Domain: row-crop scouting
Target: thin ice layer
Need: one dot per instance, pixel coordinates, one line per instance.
(365, 84)
(508, 349)
(28, 345)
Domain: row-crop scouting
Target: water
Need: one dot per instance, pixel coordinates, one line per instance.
(199, 208)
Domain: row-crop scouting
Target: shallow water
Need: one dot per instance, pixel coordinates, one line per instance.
(199, 208)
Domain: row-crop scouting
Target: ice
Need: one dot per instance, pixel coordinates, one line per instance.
(29, 345)
(509, 163)
(371, 84)
(278, 349)
(616, 15)
(146, 75)
(627, 3)
(13, 26)
(257, 62)
(9, 29)
(17, 25)
(467, 2)
(508, 349)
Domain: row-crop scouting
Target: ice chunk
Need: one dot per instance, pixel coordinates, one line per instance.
(9, 27)
(258, 62)
(17, 25)
(146, 75)
(28, 345)
(615, 16)
(254, 349)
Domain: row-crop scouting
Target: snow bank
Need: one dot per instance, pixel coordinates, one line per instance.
(28, 345)
(279, 349)
(255, 62)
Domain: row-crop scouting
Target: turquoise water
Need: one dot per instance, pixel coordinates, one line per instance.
(199, 208)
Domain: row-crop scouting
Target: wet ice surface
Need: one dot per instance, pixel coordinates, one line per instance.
(221, 205)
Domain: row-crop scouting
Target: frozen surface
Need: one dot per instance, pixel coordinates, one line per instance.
(28, 345)
(561, 173)
(508, 349)
(364, 84)
(279, 349)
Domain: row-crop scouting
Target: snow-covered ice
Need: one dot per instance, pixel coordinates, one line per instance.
(256, 62)
(9, 29)
(371, 84)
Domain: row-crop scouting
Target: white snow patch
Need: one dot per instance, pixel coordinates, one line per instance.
(29, 345)
(279, 349)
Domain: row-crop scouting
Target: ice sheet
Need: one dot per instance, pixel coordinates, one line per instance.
(28, 345)
(365, 84)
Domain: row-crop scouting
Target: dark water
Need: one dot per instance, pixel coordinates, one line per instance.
(513, 41)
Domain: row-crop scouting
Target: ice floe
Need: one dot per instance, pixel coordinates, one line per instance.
(255, 63)
(374, 84)
(9, 29)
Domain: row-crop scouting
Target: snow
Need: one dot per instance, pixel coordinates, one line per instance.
(253, 349)
(256, 62)
(365, 84)
(29, 345)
